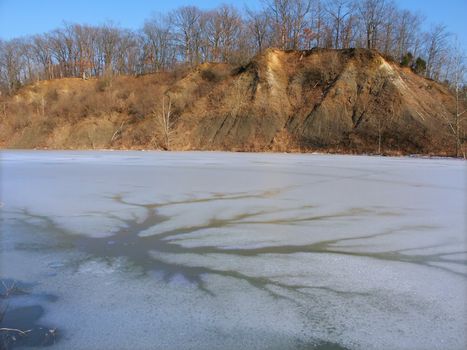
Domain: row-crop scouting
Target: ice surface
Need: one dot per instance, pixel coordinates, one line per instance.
(153, 250)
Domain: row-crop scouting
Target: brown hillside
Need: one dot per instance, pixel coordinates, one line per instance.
(336, 100)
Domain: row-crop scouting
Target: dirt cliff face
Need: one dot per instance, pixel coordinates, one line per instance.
(336, 100)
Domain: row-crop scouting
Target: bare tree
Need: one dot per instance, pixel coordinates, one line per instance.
(371, 15)
(165, 121)
(230, 26)
(459, 73)
(301, 10)
(383, 123)
(11, 64)
(85, 42)
(388, 29)
(193, 36)
(109, 41)
(259, 26)
(436, 41)
(290, 19)
(317, 22)
(349, 31)
(158, 41)
(338, 10)
(186, 22)
(127, 53)
(407, 34)
(43, 54)
(62, 50)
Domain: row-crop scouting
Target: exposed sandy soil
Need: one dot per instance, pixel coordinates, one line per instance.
(348, 101)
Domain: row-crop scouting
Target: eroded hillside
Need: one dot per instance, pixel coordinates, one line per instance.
(332, 100)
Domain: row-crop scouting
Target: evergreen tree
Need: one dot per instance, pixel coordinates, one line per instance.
(407, 60)
(420, 66)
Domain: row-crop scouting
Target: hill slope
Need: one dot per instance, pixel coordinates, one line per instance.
(336, 100)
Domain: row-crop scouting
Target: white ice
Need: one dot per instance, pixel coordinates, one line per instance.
(256, 251)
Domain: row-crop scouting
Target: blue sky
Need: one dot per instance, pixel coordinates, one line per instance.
(26, 17)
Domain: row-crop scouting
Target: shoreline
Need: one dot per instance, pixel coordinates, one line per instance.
(322, 153)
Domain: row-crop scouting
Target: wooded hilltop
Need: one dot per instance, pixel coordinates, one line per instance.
(297, 75)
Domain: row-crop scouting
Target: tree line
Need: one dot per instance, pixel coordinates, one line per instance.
(190, 36)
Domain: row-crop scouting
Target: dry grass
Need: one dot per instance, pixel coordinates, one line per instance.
(281, 101)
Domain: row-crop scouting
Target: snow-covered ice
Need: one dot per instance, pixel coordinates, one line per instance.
(154, 250)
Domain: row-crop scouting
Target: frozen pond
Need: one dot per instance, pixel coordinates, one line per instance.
(141, 250)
